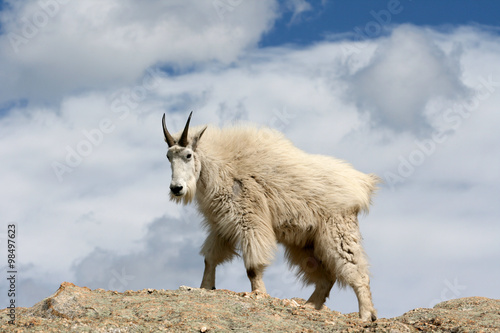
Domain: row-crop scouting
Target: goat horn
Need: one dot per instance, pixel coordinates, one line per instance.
(184, 137)
(168, 138)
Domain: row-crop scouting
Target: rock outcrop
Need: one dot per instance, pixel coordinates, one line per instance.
(79, 309)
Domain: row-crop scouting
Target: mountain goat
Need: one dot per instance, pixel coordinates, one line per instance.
(256, 189)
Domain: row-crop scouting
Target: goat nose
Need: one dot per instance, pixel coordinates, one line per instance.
(176, 189)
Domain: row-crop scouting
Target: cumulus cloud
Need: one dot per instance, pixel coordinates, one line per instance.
(407, 71)
(52, 48)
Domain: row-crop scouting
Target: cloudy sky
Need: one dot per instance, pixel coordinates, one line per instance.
(409, 90)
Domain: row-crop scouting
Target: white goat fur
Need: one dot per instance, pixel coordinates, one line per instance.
(255, 188)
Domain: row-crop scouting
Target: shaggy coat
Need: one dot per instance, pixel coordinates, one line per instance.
(256, 189)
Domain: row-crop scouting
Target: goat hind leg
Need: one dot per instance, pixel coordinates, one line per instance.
(348, 260)
(360, 282)
(312, 271)
(321, 293)
(354, 272)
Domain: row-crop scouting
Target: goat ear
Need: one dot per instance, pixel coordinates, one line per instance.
(197, 137)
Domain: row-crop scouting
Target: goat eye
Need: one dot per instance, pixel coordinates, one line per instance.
(188, 156)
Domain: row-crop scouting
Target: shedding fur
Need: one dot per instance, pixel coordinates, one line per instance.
(256, 189)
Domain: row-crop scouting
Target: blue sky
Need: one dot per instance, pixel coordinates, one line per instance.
(340, 17)
(412, 96)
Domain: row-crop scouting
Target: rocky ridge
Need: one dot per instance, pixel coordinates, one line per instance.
(79, 309)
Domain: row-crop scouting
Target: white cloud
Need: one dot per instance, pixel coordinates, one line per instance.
(298, 7)
(110, 215)
(51, 50)
(407, 71)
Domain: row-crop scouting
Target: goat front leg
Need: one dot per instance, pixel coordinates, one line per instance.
(255, 276)
(208, 281)
(216, 250)
(258, 245)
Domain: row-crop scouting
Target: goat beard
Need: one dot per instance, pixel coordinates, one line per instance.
(186, 198)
